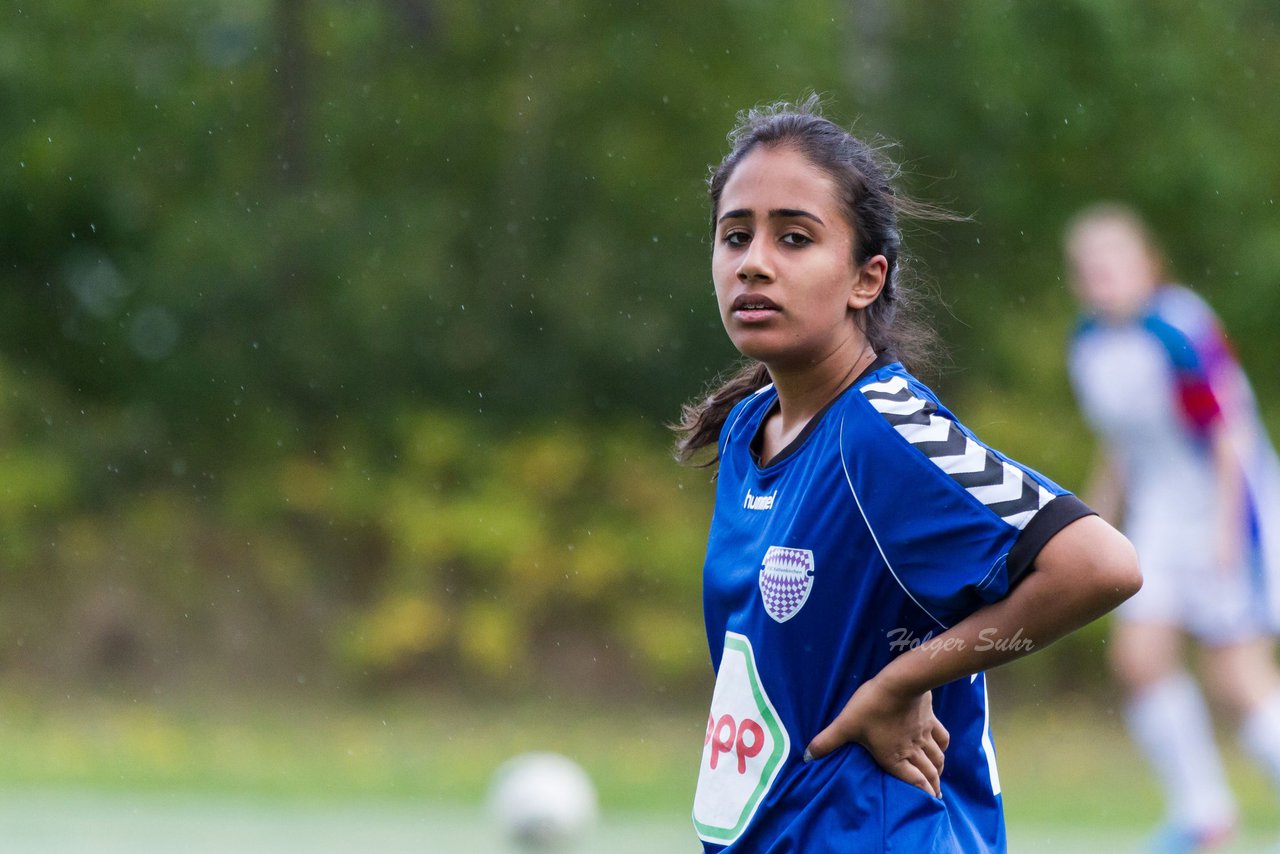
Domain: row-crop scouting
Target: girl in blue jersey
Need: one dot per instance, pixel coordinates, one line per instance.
(868, 557)
(1188, 465)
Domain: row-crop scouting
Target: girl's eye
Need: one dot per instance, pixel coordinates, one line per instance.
(737, 238)
(795, 238)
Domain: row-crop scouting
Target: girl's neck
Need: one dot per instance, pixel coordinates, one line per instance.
(802, 393)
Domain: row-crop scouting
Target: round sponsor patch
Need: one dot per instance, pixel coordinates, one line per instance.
(785, 580)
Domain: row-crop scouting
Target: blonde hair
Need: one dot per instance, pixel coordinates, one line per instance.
(1117, 213)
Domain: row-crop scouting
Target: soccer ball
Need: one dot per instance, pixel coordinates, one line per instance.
(542, 801)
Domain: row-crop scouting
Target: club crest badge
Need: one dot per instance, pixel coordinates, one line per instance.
(785, 580)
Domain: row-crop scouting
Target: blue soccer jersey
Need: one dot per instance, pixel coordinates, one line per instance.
(882, 524)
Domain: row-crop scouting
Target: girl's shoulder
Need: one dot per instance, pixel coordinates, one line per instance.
(891, 397)
(893, 383)
(741, 415)
(1187, 328)
(1183, 309)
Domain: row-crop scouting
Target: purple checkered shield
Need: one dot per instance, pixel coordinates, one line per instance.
(785, 580)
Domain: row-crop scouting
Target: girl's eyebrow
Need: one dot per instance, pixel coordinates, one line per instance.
(776, 213)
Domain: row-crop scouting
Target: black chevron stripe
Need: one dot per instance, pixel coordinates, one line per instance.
(948, 447)
(1029, 500)
(899, 396)
(955, 444)
(991, 474)
(918, 417)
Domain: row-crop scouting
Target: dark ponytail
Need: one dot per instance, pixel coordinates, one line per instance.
(700, 421)
(871, 206)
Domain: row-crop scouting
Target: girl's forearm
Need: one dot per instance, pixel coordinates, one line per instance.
(1085, 570)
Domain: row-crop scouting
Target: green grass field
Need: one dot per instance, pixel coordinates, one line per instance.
(87, 773)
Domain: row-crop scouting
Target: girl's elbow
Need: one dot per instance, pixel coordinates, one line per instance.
(1118, 572)
(1095, 561)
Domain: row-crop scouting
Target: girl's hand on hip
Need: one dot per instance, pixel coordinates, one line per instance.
(900, 732)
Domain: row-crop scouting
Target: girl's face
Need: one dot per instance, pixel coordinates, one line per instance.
(1112, 270)
(783, 267)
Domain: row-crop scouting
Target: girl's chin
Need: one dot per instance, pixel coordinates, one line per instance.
(772, 357)
(773, 346)
(751, 347)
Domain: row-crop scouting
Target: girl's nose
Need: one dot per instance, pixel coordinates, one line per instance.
(756, 265)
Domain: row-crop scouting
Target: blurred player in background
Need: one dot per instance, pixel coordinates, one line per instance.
(1187, 464)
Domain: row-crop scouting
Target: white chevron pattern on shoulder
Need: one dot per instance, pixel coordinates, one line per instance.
(1020, 520)
(900, 407)
(893, 385)
(972, 458)
(936, 430)
(1009, 487)
(1008, 490)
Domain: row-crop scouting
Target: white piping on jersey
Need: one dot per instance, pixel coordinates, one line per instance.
(987, 747)
(738, 417)
(974, 457)
(845, 468)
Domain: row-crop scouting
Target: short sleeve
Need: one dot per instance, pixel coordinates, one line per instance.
(1197, 351)
(957, 523)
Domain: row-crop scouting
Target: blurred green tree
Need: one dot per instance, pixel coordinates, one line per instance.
(316, 313)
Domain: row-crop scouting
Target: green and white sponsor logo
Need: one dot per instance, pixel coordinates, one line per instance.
(744, 748)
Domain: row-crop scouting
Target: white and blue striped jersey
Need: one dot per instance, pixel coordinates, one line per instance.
(882, 524)
(1157, 389)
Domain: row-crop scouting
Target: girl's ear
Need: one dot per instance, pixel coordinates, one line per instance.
(868, 282)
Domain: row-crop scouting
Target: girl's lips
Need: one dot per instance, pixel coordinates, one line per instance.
(748, 302)
(754, 308)
(754, 315)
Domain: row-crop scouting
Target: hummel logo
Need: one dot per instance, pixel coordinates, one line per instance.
(759, 502)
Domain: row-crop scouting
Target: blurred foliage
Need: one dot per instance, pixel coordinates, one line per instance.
(549, 551)
(335, 338)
